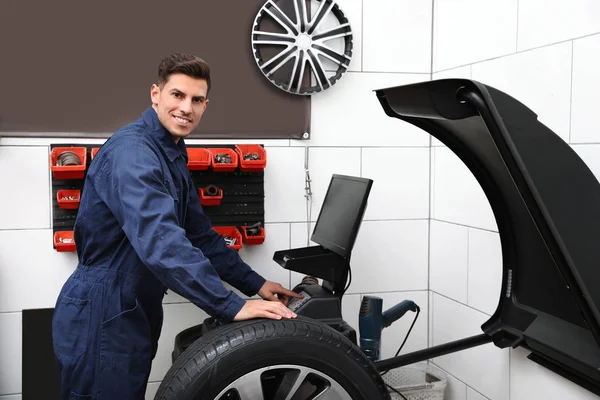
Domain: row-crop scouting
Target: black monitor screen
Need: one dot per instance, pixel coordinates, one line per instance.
(341, 214)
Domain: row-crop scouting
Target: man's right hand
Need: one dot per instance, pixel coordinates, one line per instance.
(263, 309)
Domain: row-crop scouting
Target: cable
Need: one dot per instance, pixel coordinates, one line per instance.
(308, 196)
(406, 337)
(400, 349)
(396, 390)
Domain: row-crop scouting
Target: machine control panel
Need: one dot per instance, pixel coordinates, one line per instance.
(295, 303)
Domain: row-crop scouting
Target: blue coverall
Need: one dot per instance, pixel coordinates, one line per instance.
(140, 230)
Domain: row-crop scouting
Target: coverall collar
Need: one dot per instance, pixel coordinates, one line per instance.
(163, 137)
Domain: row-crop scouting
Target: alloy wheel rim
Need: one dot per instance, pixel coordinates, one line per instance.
(284, 382)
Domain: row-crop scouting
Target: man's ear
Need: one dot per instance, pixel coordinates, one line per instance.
(206, 104)
(154, 94)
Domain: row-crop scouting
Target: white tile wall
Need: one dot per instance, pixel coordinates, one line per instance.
(10, 349)
(392, 30)
(455, 389)
(31, 279)
(526, 76)
(151, 390)
(284, 185)
(590, 154)
(543, 22)
(485, 368)
(485, 270)
(540, 79)
(352, 9)
(11, 397)
(470, 30)
(26, 182)
(393, 170)
(530, 381)
(473, 395)
(448, 261)
(177, 317)
(586, 96)
(390, 256)
(323, 163)
(456, 194)
(349, 114)
(459, 72)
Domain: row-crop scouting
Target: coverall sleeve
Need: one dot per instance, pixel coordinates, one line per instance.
(134, 189)
(225, 260)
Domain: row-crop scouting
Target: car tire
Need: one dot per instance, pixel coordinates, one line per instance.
(264, 359)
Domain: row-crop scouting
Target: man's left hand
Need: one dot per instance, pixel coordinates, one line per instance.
(270, 289)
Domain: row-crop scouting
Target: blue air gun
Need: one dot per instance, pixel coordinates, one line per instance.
(372, 320)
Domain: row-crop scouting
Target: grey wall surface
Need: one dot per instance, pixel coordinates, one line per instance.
(72, 68)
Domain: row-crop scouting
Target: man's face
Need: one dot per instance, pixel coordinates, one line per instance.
(180, 104)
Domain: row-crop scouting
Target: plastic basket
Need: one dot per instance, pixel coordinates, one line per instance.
(417, 382)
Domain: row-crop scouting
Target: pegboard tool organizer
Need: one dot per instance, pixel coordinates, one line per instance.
(229, 180)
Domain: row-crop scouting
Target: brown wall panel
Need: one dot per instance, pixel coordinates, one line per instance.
(84, 68)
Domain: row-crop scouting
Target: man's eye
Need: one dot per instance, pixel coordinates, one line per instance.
(176, 94)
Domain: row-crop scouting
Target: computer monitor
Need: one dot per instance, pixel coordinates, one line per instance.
(342, 213)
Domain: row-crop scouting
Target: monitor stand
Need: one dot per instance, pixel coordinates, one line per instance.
(321, 302)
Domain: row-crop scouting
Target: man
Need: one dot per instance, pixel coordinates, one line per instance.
(140, 230)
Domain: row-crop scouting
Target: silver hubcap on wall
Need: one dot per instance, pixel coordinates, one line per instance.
(304, 50)
(284, 382)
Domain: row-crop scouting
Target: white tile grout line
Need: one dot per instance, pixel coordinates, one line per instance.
(468, 237)
(461, 381)
(465, 225)
(462, 304)
(571, 91)
(518, 52)
(517, 38)
(362, 35)
(431, 54)
(266, 223)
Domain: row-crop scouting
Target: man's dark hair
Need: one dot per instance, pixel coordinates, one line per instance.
(187, 64)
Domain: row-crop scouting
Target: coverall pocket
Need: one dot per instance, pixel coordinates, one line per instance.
(71, 326)
(125, 339)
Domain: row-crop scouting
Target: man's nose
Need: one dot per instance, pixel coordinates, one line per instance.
(185, 106)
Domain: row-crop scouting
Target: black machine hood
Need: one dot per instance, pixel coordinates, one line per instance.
(546, 203)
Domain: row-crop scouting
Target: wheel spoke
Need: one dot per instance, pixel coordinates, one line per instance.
(340, 59)
(299, 59)
(318, 70)
(285, 60)
(299, 379)
(301, 18)
(273, 38)
(282, 54)
(333, 33)
(331, 393)
(281, 17)
(250, 391)
(324, 9)
(302, 70)
(250, 385)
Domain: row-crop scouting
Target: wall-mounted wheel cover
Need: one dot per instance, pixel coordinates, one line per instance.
(299, 359)
(302, 46)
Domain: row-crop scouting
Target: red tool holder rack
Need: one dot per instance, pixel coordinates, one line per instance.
(241, 188)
